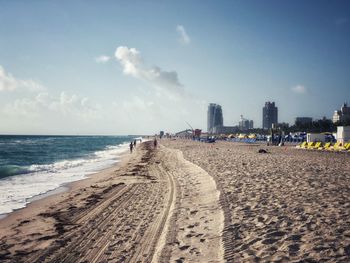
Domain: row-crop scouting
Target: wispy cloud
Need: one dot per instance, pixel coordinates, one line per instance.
(9, 83)
(133, 65)
(184, 38)
(102, 59)
(299, 89)
(44, 103)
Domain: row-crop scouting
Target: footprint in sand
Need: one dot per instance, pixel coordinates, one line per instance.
(184, 247)
(294, 248)
(269, 241)
(295, 238)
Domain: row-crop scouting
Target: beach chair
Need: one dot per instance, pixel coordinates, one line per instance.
(317, 145)
(310, 145)
(344, 147)
(335, 147)
(326, 146)
(347, 146)
(302, 145)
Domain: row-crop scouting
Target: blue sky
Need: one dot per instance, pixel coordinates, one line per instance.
(127, 67)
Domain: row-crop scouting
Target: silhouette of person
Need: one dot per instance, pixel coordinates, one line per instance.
(131, 146)
(155, 143)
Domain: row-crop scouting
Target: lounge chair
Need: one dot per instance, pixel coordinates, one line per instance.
(310, 145)
(317, 145)
(326, 146)
(335, 147)
(347, 146)
(302, 145)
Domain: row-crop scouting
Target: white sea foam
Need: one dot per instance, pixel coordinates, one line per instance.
(16, 191)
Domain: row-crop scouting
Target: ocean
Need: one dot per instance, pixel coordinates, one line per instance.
(34, 165)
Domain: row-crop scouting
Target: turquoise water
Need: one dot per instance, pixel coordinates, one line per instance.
(33, 165)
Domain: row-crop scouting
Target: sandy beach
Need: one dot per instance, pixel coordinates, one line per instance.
(193, 202)
(153, 206)
(286, 205)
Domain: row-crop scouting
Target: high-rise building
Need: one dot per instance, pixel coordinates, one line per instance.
(214, 116)
(246, 125)
(342, 115)
(210, 117)
(270, 115)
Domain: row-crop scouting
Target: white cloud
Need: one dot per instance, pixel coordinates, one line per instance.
(299, 89)
(184, 38)
(163, 81)
(102, 59)
(9, 83)
(43, 103)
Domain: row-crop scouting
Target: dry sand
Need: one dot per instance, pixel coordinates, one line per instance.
(195, 231)
(288, 205)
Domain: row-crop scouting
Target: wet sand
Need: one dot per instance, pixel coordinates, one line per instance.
(287, 205)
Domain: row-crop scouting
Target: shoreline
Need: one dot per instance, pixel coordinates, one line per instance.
(39, 202)
(134, 211)
(67, 186)
(30, 233)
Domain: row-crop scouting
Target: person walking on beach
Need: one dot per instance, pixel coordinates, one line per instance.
(155, 143)
(134, 143)
(131, 146)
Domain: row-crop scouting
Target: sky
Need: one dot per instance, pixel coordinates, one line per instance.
(138, 67)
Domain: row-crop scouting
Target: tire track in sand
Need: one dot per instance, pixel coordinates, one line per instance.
(195, 231)
(159, 208)
(122, 226)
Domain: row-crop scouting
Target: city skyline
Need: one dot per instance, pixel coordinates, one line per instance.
(139, 67)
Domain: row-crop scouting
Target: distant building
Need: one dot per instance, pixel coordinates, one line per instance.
(303, 120)
(342, 115)
(245, 124)
(214, 117)
(225, 129)
(184, 134)
(270, 115)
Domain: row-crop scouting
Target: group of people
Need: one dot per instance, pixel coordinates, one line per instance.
(132, 144)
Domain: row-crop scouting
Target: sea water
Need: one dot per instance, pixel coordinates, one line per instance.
(34, 165)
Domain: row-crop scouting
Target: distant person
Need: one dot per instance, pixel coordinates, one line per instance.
(134, 143)
(131, 146)
(155, 143)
